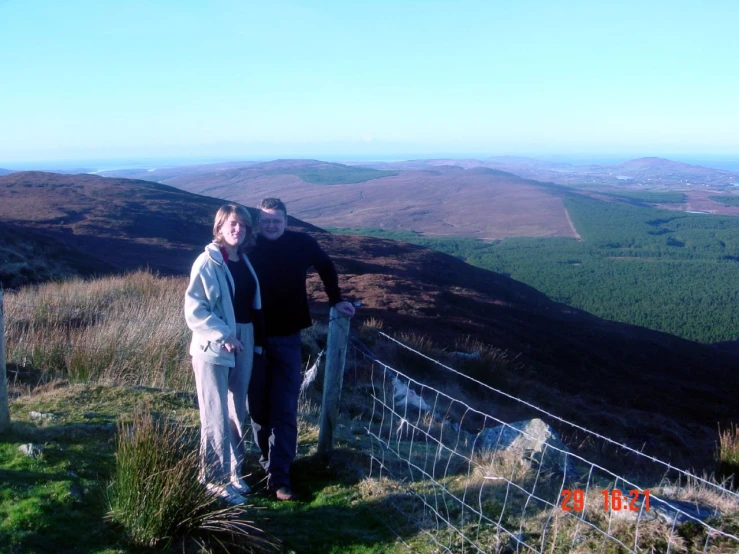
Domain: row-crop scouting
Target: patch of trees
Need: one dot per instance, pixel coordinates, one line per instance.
(674, 272)
(649, 197)
(340, 175)
(726, 200)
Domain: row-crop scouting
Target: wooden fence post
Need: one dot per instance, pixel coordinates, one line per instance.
(338, 332)
(4, 411)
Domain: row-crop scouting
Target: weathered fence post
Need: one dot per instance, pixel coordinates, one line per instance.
(338, 331)
(4, 412)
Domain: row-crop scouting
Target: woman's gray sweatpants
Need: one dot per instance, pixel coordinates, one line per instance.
(222, 403)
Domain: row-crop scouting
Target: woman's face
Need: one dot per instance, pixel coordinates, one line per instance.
(233, 231)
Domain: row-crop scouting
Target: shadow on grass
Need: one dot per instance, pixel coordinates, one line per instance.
(55, 503)
(332, 514)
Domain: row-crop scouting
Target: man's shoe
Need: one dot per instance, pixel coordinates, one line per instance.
(240, 486)
(285, 493)
(227, 493)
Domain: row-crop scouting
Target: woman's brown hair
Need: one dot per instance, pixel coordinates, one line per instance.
(242, 214)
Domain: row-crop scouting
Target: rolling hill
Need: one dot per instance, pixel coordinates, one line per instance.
(123, 223)
(495, 198)
(443, 200)
(649, 171)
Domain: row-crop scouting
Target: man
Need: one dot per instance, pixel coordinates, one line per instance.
(281, 259)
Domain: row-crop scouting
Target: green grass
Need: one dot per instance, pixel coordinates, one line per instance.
(38, 507)
(329, 494)
(38, 511)
(39, 514)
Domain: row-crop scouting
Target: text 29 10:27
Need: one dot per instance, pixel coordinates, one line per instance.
(612, 500)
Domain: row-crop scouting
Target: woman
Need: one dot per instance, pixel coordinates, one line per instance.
(223, 310)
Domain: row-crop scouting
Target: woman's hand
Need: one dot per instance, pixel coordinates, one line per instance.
(232, 344)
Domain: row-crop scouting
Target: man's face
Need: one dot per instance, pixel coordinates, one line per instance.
(272, 223)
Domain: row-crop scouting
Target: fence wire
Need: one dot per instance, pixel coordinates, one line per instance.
(474, 483)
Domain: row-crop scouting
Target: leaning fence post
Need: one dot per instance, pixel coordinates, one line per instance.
(4, 412)
(338, 331)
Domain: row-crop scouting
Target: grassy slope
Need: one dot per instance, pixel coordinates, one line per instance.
(107, 331)
(40, 513)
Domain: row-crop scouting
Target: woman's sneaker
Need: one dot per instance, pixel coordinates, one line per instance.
(240, 486)
(227, 493)
(285, 493)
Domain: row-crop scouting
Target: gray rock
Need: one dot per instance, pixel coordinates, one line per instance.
(406, 397)
(467, 355)
(76, 491)
(41, 415)
(533, 439)
(665, 509)
(32, 450)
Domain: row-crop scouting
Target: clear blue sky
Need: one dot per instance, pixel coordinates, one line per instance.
(236, 78)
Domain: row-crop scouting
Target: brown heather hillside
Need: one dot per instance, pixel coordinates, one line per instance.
(589, 359)
(625, 380)
(442, 200)
(125, 224)
(32, 257)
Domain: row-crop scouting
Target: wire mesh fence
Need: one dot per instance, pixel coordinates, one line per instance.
(474, 483)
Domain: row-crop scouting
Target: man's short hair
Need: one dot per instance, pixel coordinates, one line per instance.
(272, 204)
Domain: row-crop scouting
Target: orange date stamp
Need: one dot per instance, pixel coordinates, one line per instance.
(613, 499)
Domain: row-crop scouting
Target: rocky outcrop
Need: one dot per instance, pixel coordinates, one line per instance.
(532, 440)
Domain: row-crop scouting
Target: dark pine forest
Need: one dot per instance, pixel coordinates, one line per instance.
(671, 271)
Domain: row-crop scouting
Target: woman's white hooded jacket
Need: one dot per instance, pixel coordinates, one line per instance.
(209, 310)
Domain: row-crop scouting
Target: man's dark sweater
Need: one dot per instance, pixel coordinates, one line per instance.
(282, 266)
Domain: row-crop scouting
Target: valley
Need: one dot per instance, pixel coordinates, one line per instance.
(588, 236)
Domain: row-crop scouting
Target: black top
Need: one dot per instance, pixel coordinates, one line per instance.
(245, 288)
(282, 267)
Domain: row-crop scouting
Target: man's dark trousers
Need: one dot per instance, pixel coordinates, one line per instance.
(273, 406)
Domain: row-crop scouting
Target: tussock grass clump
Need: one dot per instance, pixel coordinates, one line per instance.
(126, 329)
(728, 453)
(373, 323)
(157, 498)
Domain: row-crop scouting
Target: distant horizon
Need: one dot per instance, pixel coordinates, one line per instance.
(101, 164)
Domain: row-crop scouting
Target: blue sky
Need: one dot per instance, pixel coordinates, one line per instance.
(241, 79)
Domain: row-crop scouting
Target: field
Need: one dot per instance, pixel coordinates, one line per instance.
(99, 369)
(666, 270)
